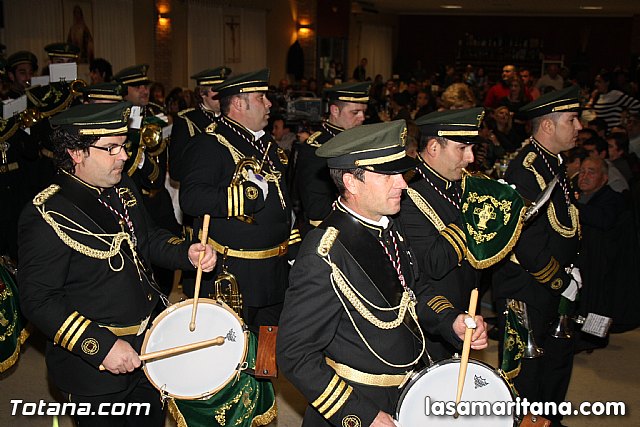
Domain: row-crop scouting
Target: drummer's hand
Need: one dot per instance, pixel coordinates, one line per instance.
(209, 259)
(383, 420)
(122, 358)
(479, 338)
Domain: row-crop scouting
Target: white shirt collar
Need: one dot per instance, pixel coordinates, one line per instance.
(383, 222)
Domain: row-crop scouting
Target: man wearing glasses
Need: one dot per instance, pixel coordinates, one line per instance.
(86, 245)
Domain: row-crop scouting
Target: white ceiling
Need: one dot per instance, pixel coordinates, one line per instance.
(503, 7)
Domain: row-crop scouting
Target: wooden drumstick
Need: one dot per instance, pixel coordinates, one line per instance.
(173, 351)
(203, 239)
(466, 346)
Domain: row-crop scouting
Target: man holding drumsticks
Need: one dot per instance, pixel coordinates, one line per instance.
(349, 333)
(86, 244)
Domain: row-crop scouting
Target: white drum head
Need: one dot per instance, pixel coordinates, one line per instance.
(439, 382)
(200, 373)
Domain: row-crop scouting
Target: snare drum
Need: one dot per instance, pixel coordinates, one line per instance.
(439, 382)
(201, 373)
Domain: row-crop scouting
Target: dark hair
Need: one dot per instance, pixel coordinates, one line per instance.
(103, 67)
(424, 139)
(600, 144)
(337, 174)
(576, 153)
(621, 139)
(599, 123)
(225, 102)
(63, 140)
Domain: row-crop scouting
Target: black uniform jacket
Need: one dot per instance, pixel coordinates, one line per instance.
(188, 124)
(67, 292)
(315, 187)
(548, 243)
(318, 321)
(206, 189)
(440, 252)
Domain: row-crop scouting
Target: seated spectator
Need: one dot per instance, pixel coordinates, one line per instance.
(627, 163)
(282, 134)
(573, 159)
(598, 148)
(551, 80)
(501, 89)
(530, 90)
(424, 104)
(516, 98)
(599, 125)
(458, 96)
(608, 102)
(632, 126)
(585, 134)
(608, 253)
(510, 136)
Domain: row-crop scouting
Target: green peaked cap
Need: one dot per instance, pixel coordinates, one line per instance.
(456, 125)
(104, 119)
(377, 148)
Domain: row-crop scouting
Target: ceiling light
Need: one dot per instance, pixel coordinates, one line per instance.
(451, 6)
(591, 7)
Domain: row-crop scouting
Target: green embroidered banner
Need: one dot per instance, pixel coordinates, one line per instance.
(246, 401)
(515, 340)
(492, 219)
(13, 332)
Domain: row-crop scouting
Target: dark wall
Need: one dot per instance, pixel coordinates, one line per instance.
(590, 43)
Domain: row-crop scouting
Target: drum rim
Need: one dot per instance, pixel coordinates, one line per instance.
(171, 309)
(443, 362)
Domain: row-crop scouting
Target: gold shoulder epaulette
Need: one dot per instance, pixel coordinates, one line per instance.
(45, 194)
(529, 159)
(185, 111)
(327, 241)
(211, 128)
(312, 139)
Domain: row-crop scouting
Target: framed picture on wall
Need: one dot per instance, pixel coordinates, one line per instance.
(77, 25)
(231, 39)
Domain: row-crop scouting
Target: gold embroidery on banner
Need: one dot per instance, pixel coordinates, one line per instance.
(479, 236)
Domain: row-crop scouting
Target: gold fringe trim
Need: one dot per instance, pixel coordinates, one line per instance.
(258, 420)
(9, 362)
(176, 414)
(504, 252)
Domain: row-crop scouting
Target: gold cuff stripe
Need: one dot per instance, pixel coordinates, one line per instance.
(235, 201)
(229, 202)
(241, 199)
(340, 403)
(78, 334)
(454, 243)
(326, 391)
(64, 327)
(546, 268)
(333, 398)
(379, 160)
(548, 272)
(444, 307)
(457, 229)
(75, 325)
